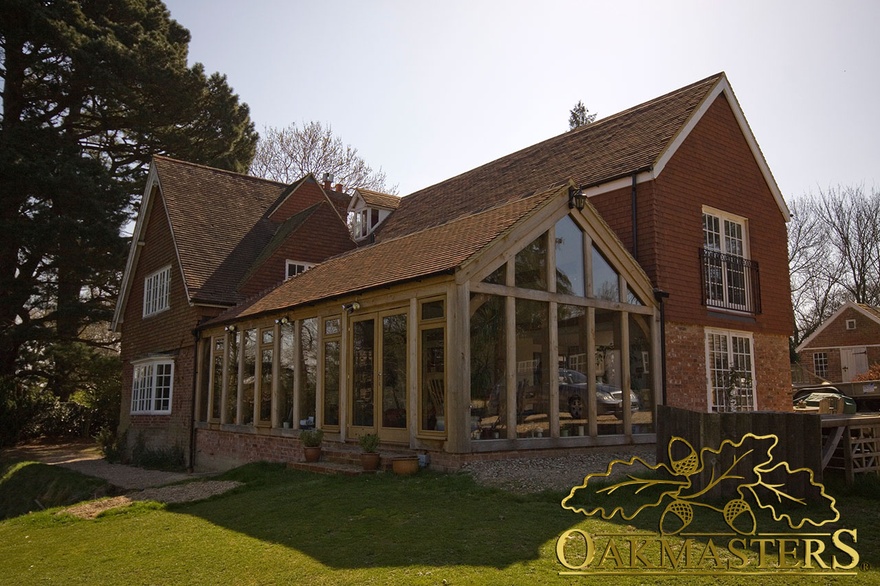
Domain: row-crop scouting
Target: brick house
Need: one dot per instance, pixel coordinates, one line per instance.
(845, 345)
(511, 308)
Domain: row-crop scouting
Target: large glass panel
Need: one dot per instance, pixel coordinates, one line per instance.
(217, 377)
(432, 310)
(331, 383)
(569, 258)
(609, 407)
(498, 276)
(394, 371)
(606, 284)
(362, 372)
(433, 402)
(488, 366)
(530, 270)
(632, 298)
(232, 381)
(331, 327)
(266, 358)
(206, 368)
(640, 375)
(248, 377)
(574, 370)
(532, 369)
(308, 384)
(287, 365)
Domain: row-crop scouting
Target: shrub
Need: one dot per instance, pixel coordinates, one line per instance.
(311, 438)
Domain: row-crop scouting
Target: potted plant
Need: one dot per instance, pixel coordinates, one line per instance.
(311, 440)
(370, 458)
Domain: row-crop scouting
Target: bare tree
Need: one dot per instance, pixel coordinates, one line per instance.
(288, 154)
(834, 254)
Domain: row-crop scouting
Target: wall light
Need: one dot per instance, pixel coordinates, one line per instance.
(283, 320)
(350, 307)
(230, 328)
(576, 199)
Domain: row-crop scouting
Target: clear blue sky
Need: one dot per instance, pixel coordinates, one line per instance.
(427, 90)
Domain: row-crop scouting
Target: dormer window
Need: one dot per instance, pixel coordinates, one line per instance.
(295, 267)
(367, 210)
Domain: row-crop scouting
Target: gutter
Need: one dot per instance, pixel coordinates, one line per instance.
(660, 295)
(192, 423)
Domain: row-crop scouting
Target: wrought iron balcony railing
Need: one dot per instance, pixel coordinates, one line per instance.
(730, 282)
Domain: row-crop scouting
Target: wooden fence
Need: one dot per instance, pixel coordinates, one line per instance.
(800, 442)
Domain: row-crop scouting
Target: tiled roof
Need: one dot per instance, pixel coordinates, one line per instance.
(379, 200)
(607, 149)
(419, 254)
(218, 224)
(282, 233)
(871, 310)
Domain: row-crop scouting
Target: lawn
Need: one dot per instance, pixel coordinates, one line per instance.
(294, 527)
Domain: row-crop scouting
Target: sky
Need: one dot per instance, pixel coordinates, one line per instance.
(427, 90)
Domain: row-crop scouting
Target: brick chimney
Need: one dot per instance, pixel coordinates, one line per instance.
(328, 180)
(339, 187)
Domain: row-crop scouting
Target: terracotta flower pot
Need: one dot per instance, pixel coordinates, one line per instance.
(405, 466)
(312, 454)
(370, 461)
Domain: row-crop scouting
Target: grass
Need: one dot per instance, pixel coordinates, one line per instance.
(31, 486)
(294, 527)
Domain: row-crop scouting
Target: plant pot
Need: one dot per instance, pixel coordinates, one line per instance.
(370, 461)
(312, 454)
(405, 466)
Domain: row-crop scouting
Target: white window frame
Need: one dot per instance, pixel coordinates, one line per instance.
(850, 324)
(152, 386)
(733, 341)
(295, 263)
(157, 291)
(727, 244)
(820, 364)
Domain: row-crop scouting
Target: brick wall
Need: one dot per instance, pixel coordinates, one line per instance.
(835, 334)
(221, 450)
(166, 333)
(687, 385)
(323, 235)
(713, 167)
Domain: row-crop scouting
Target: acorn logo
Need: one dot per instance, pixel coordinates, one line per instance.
(728, 485)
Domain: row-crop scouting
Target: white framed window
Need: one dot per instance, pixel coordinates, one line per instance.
(295, 267)
(730, 370)
(726, 268)
(820, 364)
(850, 324)
(152, 386)
(157, 291)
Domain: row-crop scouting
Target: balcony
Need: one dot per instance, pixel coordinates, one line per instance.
(730, 282)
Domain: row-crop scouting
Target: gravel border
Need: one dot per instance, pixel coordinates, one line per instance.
(558, 473)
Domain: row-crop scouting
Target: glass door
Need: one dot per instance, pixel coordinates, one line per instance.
(379, 376)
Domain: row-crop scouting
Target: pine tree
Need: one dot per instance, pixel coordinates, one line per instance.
(91, 90)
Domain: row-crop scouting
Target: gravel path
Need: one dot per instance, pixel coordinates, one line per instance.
(524, 475)
(521, 475)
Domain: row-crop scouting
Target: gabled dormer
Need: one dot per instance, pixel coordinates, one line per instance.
(367, 210)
